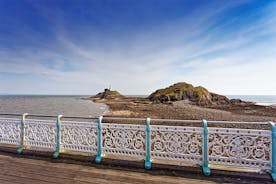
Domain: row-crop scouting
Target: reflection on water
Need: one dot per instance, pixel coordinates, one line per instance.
(50, 105)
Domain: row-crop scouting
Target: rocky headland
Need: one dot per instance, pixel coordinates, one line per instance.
(107, 94)
(184, 101)
(194, 95)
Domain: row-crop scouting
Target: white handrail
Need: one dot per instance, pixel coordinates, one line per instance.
(142, 119)
(251, 148)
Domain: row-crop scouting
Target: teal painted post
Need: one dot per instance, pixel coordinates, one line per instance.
(273, 151)
(22, 133)
(56, 153)
(99, 150)
(205, 167)
(148, 145)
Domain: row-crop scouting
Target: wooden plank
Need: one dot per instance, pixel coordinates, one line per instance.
(24, 170)
(19, 169)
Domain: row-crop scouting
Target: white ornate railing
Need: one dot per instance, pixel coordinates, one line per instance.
(122, 139)
(199, 145)
(10, 131)
(79, 136)
(177, 143)
(40, 134)
(240, 147)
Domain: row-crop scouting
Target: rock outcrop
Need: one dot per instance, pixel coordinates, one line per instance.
(184, 91)
(108, 94)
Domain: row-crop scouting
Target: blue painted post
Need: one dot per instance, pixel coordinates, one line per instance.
(99, 150)
(56, 153)
(148, 145)
(205, 167)
(22, 133)
(273, 151)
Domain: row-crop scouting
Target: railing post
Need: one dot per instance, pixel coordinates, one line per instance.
(273, 150)
(148, 145)
(56, 153)
(205, 166)
(99, 150)
(22, 133)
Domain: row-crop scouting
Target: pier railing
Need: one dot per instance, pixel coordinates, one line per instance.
(199, 142)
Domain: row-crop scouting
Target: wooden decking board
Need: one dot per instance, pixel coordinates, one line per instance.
(62, 170)
(62, 173)
(19, 179)
(28, 174)
(22, 170)
(29, 169)
(41, 171)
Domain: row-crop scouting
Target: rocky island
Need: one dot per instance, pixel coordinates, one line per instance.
(108, 94)
(184, 101)
(195, 95)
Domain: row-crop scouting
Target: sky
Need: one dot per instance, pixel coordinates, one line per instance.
(137, 46)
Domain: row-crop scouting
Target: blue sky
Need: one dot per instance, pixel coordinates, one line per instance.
(137, 46)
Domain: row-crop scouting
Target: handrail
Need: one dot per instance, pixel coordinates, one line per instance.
(10, 114)
(201, 145)
(48, 116)
(239, 122)
(141, 119)
(176, 120)
(122, 118)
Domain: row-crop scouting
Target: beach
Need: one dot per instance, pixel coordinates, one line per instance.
(142, 107)
(136, 107)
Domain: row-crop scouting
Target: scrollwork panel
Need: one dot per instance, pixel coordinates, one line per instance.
(10, 131)
(79, 136)
(40, 134)
(240, 147)
(126, 140)
(176, 143)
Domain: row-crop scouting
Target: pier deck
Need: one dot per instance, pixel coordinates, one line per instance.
(33, 168)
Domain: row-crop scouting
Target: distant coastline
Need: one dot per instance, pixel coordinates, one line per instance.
(137, 107)
(263, 100)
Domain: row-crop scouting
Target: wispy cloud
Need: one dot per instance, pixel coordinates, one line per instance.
(193, 47)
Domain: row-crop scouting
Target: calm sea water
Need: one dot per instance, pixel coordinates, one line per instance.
(259, 99)
(76, 106)
(50, 105)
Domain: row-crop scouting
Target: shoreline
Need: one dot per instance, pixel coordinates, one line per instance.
(137, 107)
(265, 104)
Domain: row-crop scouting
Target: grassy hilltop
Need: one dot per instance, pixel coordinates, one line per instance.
(184, 91)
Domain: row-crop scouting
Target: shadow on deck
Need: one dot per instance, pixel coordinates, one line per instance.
(40, 167)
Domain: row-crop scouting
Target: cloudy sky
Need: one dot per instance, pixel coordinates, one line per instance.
(137, 46)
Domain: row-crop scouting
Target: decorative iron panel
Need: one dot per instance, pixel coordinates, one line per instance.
(10, 131)
(240, 147)
(177, 143)
(79, 136)
(40, 134)
(124, 139)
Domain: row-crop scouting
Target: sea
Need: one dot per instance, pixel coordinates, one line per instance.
(51, 105)
(81, 106)
(265, 100)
